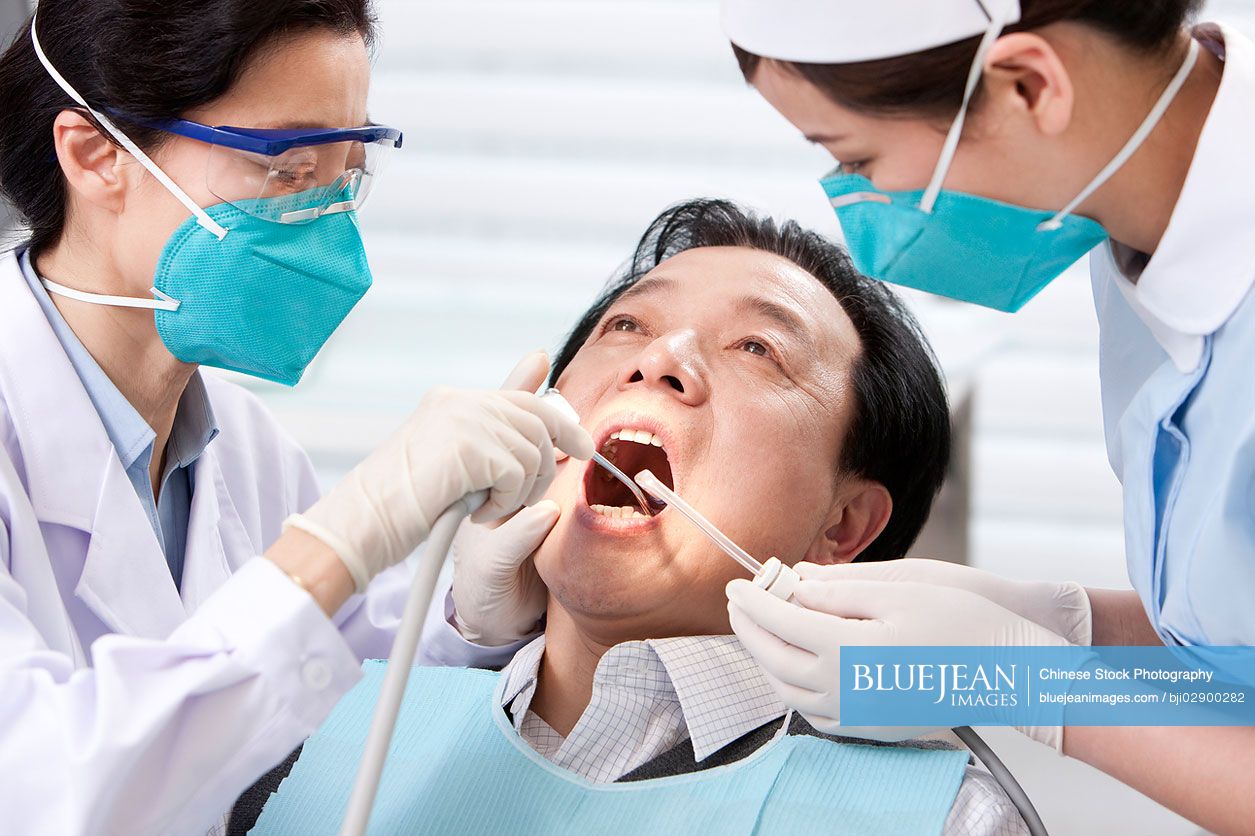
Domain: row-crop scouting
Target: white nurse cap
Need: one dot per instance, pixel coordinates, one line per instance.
(845, 31)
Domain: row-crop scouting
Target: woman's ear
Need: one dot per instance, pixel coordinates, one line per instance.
(1025, 74)
(860, 513)
(89, 161)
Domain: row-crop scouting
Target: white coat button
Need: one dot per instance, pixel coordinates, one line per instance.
(316, 674)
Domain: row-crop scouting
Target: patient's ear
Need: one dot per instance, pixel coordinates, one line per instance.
(860, 513)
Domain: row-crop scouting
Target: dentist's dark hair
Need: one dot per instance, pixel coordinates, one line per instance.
(930, 83)
(152, 59)
(899, 433)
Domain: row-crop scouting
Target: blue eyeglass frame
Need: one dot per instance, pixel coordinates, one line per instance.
(269, 142)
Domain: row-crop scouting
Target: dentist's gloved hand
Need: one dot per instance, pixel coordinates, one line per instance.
(1061, 608)
(798, 644)
(456, 442)
(497, 596)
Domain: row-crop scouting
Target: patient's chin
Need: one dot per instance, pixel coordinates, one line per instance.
(593, 582)
(596, 601)
(632, 611)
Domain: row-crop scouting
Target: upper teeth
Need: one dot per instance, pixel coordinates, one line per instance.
(639, 436)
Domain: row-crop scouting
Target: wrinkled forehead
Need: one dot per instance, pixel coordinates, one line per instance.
(718, 286)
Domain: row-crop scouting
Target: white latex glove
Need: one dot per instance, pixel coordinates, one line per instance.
(798, 643)
(1061, 608)
(497, 595)
(456, 442)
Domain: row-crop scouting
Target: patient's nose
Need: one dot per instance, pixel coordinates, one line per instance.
(671, 364)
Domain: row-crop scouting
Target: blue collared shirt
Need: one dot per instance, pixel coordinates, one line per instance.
(194, 427)
(1176, 339)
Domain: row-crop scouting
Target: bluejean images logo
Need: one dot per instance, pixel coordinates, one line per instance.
(960, 685)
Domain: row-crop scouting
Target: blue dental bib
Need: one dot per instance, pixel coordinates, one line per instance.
(456, 765)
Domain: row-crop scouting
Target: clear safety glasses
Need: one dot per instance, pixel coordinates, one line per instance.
(289, 176)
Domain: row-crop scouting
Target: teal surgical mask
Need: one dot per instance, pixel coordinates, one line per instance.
(968, 247)
(263, 300)
(237, 289)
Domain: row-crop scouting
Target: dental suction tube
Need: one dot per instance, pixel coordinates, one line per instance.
(781, 580)
(404, 646)
(655, 487)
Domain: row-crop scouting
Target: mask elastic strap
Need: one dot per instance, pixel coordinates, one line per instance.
(161, 303)
(298, 215)
(996, 23)
(202, 217)
(1135, 141)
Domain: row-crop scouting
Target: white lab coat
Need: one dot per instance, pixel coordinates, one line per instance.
(126, 707)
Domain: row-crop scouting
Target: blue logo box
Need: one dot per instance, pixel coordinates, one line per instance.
(1047, 686)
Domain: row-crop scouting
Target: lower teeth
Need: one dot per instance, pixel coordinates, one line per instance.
(624, 511)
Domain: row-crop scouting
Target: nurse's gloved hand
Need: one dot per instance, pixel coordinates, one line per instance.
(1061, 608)
(497, 596)
(798, 643)
(457, 442)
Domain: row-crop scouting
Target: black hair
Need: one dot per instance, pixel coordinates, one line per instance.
(930, 83)
(899, 433)
(151, 59)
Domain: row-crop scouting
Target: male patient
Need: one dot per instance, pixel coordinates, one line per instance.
(793, 402)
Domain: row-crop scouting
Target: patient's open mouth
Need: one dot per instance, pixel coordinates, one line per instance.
(631, 450)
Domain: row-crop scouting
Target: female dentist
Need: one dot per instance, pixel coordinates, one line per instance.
(171, 623)
(1128, 135)
(1125, 132)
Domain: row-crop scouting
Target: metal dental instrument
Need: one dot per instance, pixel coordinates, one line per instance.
(775, 577)
(623, 477)
(555, 397)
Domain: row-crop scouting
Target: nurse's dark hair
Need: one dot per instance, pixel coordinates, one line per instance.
(899, 431)
(930, 84)
(152, 59)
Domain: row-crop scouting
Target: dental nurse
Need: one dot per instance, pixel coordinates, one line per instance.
(178, 607)
(984, 146)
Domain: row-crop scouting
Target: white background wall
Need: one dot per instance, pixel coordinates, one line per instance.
(541, 137)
